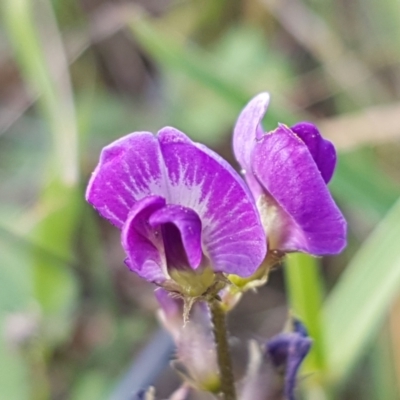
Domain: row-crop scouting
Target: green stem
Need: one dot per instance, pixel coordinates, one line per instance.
(223, 353)
(305, 286)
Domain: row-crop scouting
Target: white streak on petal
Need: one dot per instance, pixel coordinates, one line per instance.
(224, 238)
(118, 195)
(129, 189)
(133, 189)
(107, 211)
(122, 201)
(153, 185)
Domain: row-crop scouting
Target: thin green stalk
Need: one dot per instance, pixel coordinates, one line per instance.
(223, 353)
(304, 285)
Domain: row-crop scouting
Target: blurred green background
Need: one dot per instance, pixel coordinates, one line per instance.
(77, 74)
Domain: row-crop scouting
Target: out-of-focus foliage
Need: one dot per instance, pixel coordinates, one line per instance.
(76, 75)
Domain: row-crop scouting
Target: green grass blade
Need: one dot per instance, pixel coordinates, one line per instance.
(358, 302)
(381, 363)
(41, 58)
(304, 285)
(36, 41)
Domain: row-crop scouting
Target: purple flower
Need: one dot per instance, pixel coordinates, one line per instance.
(288, 350)
(183, 211)
(288, 170)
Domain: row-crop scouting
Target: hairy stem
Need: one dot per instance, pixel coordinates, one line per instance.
(223, 353)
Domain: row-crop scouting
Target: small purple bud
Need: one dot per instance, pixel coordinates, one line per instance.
(287, 351)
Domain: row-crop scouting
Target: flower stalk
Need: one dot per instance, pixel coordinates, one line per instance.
(222, 347)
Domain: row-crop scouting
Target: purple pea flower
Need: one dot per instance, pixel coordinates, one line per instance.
(183, 211)
(287, 171)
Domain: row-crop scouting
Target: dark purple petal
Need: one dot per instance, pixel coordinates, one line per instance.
(143, 243)
(322, 150)
(232, 236)
(288, 350)
(181, 232)
(299, 327)
(129, 169)
(312, 222)
(248, 129)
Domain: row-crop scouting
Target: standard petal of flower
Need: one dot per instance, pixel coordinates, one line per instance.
(284, 166)
(143, 243)
(322, 150)
(233, 238)
(181, 232)
(129, 169)
(248, 129)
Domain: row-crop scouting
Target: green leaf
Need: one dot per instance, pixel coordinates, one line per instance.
(202, 67)
(357, 304)
(55, 284)
(381, 363)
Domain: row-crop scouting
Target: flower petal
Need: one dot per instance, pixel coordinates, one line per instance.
(181, 232)
(284, 166)
(129, 169)
(233, 238)
(322, 150)
(143, 243)
(248, 129)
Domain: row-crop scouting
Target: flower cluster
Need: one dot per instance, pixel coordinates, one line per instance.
(192, 226)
